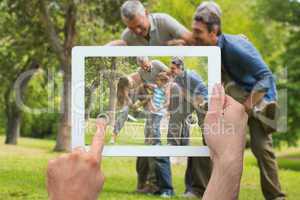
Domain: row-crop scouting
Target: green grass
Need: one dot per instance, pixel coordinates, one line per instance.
(133, 133)
(22, 173)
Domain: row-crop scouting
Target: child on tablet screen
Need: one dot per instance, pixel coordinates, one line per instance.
(158, 104)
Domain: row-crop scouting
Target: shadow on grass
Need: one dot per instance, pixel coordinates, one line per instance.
(286, 162)
(290, 163)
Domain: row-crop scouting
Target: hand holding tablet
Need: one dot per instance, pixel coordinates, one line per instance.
(225, 134)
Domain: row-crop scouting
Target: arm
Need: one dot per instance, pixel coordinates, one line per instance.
(160, 66)
(117, 43)
(150, 86)
(181, 35)
(141, 103)
(135, 80)
(249, 58)
(186, 39)
(198, 90)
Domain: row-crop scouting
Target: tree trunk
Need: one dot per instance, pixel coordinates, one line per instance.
(13, 125)
(90, 98)
(13, 112)
(13, 122)
(63, 136)
(63, 51)
(63, 140)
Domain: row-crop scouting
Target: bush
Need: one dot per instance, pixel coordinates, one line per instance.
(40, 126)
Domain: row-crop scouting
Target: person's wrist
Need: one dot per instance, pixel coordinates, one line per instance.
(230, 166)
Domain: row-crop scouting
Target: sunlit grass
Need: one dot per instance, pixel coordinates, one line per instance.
(22, 173)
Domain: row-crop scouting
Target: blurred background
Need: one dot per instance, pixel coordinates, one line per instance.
(36, 38)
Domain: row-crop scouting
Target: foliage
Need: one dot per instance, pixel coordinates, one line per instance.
(289, 18)
(272, 25)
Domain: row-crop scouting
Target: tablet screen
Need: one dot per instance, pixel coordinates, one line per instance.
(154, 97)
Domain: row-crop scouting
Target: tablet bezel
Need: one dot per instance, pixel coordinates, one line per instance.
(79, 53)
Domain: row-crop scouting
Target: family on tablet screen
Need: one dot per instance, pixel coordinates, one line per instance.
(178, 92)
(247, 92)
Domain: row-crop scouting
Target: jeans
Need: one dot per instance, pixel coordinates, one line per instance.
(198, 169)
(122, 117)
(162, 164)
(145, 166)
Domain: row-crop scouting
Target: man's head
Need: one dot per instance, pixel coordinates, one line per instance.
(177, 65)
(135, 17)
(207, 24)
(144, 63)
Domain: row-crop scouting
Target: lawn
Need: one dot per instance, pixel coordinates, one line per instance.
(22, 173)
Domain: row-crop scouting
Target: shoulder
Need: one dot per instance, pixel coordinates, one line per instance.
(162, 19)
(194, 76)
(238, 44)
(127, 35)
(160, 16)
(158, 64)
(140, 71)
(190, 73)
(240, 50)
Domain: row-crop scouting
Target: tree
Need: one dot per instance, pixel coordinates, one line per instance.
(62, 42)
(103, 74)
(290, 19)
(16, 57)
(62, 47)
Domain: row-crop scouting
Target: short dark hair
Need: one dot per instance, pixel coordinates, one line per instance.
(123, 84)
(210, 19)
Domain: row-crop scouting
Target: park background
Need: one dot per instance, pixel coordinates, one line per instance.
(37, 37)
(100, 97)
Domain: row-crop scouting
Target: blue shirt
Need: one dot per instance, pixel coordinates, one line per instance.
(159, 97)
(192, 83)
(245, 66)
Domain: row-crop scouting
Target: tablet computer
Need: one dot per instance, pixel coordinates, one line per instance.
(96, 73)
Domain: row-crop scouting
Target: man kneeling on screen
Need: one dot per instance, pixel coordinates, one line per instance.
(193, 98)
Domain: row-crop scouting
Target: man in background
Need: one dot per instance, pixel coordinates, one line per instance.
(248, 80)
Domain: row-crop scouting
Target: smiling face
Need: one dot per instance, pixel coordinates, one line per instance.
(145, 65)
(175, 70)
(201, 34)
(140, 25)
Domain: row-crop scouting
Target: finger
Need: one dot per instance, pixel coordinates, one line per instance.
(97, 144)
(79, 150)
(217, 100)
(76, 152)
